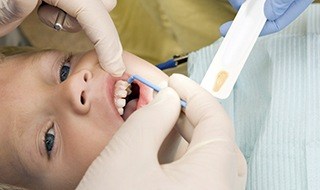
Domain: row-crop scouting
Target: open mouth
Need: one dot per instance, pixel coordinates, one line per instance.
(132, 101)
(129, 98)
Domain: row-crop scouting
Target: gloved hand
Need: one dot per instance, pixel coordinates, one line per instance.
(212, 160)
(280, 13)
(93, 18)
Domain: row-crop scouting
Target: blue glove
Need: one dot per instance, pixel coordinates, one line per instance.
(280, 13)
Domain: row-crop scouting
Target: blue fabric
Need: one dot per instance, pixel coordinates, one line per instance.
(275, 105)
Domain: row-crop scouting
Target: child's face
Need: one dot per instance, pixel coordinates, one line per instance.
(51, 131)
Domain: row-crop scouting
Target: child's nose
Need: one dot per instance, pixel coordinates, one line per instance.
(77, 87)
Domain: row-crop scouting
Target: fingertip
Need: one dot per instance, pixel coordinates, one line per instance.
(22, 8)
(236, 4)
(274, 9)
(116, 69)
(269, 28)
(242, 164)
(177, 78)
(118, 72)
(269, 11)
(71, 24)
(168, 96)
(280, 16)
(109, 4)
(182, 84)
(224, 28)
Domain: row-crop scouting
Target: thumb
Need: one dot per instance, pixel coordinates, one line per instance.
(131, 148)
(48, 15)
(212, 150)
(147, 127)
(99, 28)
(273, 9)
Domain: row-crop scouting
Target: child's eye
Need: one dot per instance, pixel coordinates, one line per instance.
(64, 69)
(64, 72)
(49, 140)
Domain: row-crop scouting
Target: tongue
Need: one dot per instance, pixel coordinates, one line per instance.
(130, 108)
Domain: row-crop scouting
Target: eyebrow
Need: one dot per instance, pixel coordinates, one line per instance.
(48, 61)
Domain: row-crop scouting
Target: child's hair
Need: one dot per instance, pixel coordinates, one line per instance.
(9, 187)
(14, 50)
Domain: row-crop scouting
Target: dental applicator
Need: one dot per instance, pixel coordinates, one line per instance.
(153, 86)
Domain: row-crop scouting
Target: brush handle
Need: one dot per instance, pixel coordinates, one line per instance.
(151, 85)
(234, 50)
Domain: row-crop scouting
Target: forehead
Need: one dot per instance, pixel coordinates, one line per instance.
(12, 69)
(22, 77)
(13, 65)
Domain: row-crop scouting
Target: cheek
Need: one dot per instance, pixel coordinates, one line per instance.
(83, 137)
(80, 145)
(82, 141)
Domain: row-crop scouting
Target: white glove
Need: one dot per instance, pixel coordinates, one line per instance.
(13, 12)
(212, 160)
(92, 16)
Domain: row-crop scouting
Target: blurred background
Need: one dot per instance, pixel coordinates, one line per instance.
(154, 30)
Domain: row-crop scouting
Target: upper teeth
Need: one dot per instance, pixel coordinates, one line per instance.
(122, 89)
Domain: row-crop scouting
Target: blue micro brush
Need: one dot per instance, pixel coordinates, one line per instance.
(154, 87)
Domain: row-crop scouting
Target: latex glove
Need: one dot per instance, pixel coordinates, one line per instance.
(212, 160)
(90, 15)
(280, 13)
(12, 13)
